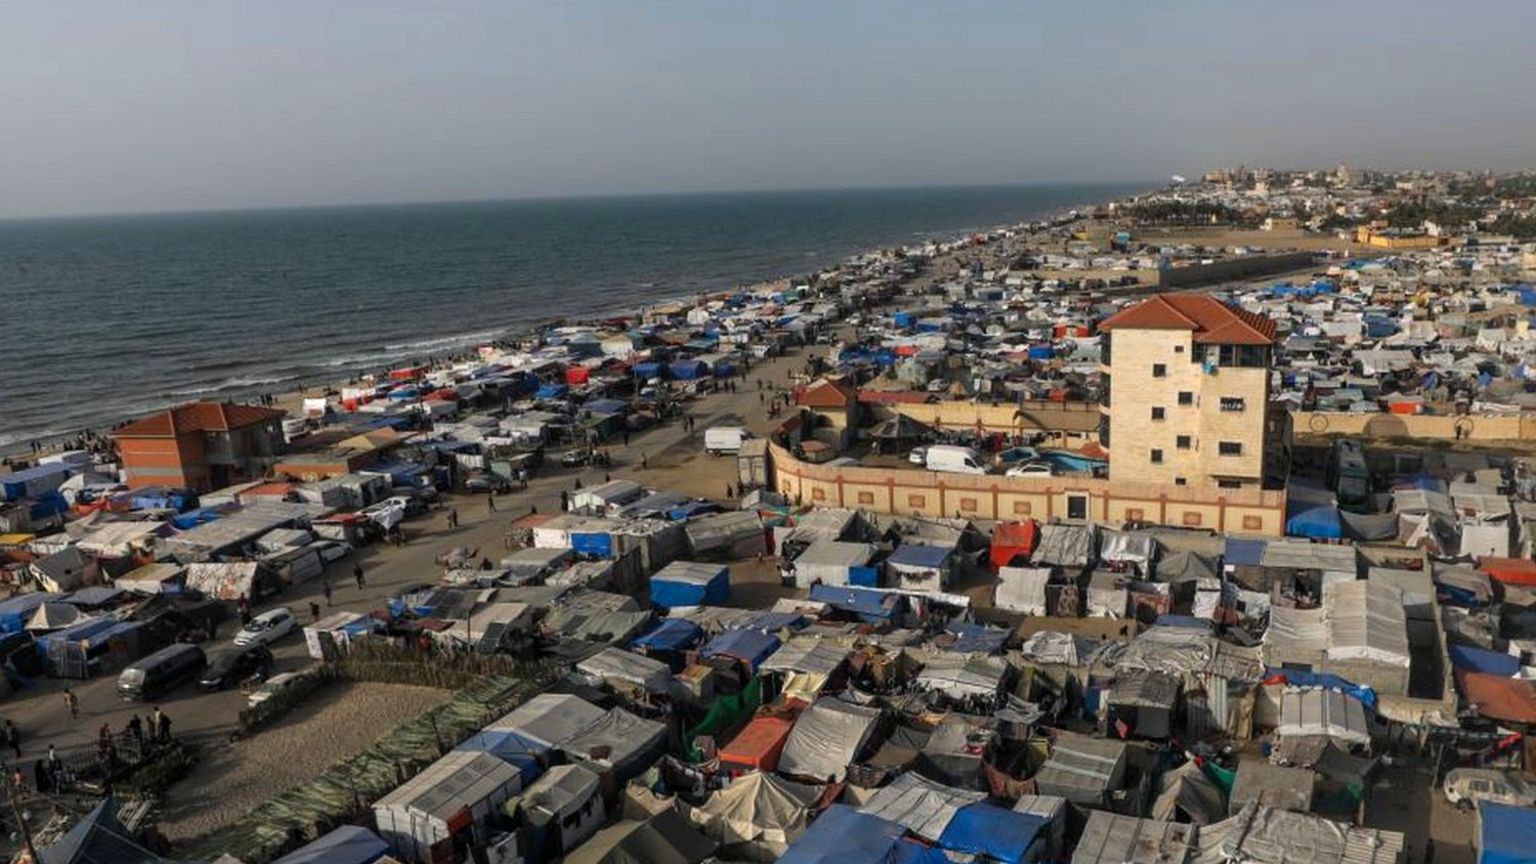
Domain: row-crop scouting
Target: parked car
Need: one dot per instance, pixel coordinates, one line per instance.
(1464, 787)
(266, 628)
(271, 687)
(333, 550)
(230, 666)
(918, 456)
(152, 676)
(1017, 455)
(1032, 469)
(487, 483)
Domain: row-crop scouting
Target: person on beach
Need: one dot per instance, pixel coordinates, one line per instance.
(490, 502)
(72, 702)
(325, 588)
(357, 573)
(453, 518)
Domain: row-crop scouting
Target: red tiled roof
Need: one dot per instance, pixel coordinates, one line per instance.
(1211, 320)
(825, 394)
(198, 417)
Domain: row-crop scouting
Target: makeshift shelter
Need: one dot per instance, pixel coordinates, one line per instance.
(1123, 547)
(844, 835)
(1187, 794)
(691, 583)
(663, 838)
(836, 562)
(348, 844)
(449, 796)
(996, 833)
(730, 536)
(1110, 838)
(1022, 589)
(751, 647)
(920, 566)
(1013, 540)
(98, 838)
(1184, 566)
(827, 738)
(1271, 786)
(756, 816)
(1505, 834)
(1368, 634)
(807, 664)
(617, 665)
(565, 802)
(1264, 835)
(1512, 700)
(548, 719)
(1065, 545)
(1313, 717)
(1082, 770)
(230, 581)
(1144, 703)
(924, 807)
(627, 743)
(961, 675)
(758, 745)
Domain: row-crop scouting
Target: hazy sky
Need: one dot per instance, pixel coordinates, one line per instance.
(187, 104)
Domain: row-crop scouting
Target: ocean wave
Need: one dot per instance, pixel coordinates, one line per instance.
(234, 384)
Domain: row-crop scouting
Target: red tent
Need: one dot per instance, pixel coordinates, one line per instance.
(577, 375)
(1510, 571)
(758, 745)
(1012, 539)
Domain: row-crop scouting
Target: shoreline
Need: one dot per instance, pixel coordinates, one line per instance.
(292, 399)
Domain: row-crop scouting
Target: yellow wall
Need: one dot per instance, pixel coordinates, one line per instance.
(1436, 426)
(1010, 419)
(988, 496)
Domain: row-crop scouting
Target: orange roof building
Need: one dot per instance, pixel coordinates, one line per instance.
(201, 445)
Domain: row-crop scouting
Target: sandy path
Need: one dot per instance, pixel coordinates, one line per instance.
(338, 721)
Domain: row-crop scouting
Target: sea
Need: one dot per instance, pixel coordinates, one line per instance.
(106, 318)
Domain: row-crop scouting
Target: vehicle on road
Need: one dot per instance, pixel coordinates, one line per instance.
(954, 459)
(1031, 469)
(1465, 787)
(229, 666)
(724, 439)
(332, 550)
(487, 483)
(271, 687)
(918, 456)
(160, 672)
(266, 628)
(1017, 455)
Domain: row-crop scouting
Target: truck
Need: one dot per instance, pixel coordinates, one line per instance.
(724, 439)
(752, 464)
(954, 459)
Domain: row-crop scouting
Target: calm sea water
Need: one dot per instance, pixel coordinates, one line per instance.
(104, 318)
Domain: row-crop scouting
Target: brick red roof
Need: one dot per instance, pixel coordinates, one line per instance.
(825, 394)
(198, 417)
(1211, 320)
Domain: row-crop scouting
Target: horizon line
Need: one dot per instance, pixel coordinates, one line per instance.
(588, 196)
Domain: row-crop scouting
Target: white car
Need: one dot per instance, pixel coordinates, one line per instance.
(918, 456)
(1032, 469)
(266, 628)
(271, 687)
(1464, 787)
(333, 550)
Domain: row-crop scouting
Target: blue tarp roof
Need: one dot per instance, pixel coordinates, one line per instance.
(672, 592)
(1187, 621)
(986, 829)
(976, 638)
(753, 646)
(920, 555)
(101, 637)
(78, 632)
(672, 634)
(860, 601)
(1249, 553)
(606, 406)
(1507, 835)
(1295, 678)
(25, 604)
(1318, 522)
(98, 838)
(509, 747)
(348, 844)
(843, 835)
(1483, 660)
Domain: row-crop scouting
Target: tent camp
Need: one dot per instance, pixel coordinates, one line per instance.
(827, 738)
(835, 562)
(758, 745)
(691, 583)
(843, 835)
(452, 794)
(348, 844)
(924, 807)
(1065, 545)
(1022, 589)
(996, 834)
(1264, 835)
(756, 816)
(920, 566)
(627, 668)
(1110, 838)
(663, 838)
(1082, 770)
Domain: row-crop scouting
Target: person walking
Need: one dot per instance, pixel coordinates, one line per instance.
(644, 462)
(163, 727)
(453, 517)
(135, 728)
(314, 611)
(357, 573)
(565, 501)
(72, 702)
(154, 722)
(490, 503)
(325, 588)
(13, 733)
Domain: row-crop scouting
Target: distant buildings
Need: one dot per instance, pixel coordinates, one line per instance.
(1188, 394)
(200, 445)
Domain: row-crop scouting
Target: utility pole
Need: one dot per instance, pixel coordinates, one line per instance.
(21, 822)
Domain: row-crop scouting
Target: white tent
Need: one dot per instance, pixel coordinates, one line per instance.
(963, 675)
(1022, 589)
(920, 805)
(616, 664)
(429, 807)
(1137, 549)
(1318, 712)
(1065, 545)
(1366, 621)
(826, 738)
(828, 562)
(1264, 835)
(756, 816)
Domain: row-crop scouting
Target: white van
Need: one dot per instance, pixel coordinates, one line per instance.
(724, 439)
(954, 459)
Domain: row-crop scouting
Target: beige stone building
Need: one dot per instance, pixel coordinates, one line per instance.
(1187, 398)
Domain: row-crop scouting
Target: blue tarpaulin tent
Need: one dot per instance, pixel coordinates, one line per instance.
(749, 646)
(1243, 553)
(1505, 834)
(976, 638)
(689, 583)
(348, 844)
(552, 391)
(689, 370)
(986, 829)
(843, 835)
(598, 544)
(30, 482)
(920, 555)
(650, 369)
(1296, 678)
(860, 601)
(1319, 522)
(672, 634)
(1483, 660)
(510, 748)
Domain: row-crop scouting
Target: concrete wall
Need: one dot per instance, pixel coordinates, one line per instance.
(989, 496)
(1245, 267)
(1072, 423)
(1438, 427)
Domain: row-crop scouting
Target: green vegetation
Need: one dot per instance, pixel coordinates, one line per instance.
(1186, 213)
(1519, 227)
(1412, 214)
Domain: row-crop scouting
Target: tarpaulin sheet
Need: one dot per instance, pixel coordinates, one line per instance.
(986, 829)
(1505, 834)
(1369, 526)
(348, 844)
(684, 583)
(672, 634)
(826, 738)
(1327, 680)
(725, 712)
(1482, 660)
(750, 646)
(759, 811)
(1510, 699)
(1012, 539)
(1510, 571)
(925, 807)
(843, 835)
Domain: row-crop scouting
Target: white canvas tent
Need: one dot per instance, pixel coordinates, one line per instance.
(756, 816)
(826, 738)
(1022, 589)
(616, 664)
(425, 810)
(922, 806)
(828, 562)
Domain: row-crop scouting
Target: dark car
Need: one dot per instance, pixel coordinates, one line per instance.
(230, 666)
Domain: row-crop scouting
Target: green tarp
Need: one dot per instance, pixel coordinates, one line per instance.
(727, 713)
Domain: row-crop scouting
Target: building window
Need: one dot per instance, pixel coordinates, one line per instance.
(1253, 523)
(1178, 349)
(1159, 413)
(1186, 397)
(1157, 457)
(1181, 442)
(1159, 370)
(917, 501)
(866, 497)
(1230, 448)
(1180, 481)
(1229, 484)
(1233, 403)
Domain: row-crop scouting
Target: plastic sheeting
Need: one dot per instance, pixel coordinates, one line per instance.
(1264, 835)
(689, 583)
(1188, 791)
(1109, 838)
(1505, 833)
(843, 835)
(827, 738)
(923, 806)
(1065, 545)
(992, 831)
(616, 664)
(756, 816)
(830, 562)
(1182, 566)
(1367, 621)
(1022, 589)
(348, 844)
(1317, 713)
(749, 646)
(1138, 549)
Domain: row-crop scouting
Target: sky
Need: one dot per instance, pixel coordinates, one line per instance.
(134, 106)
